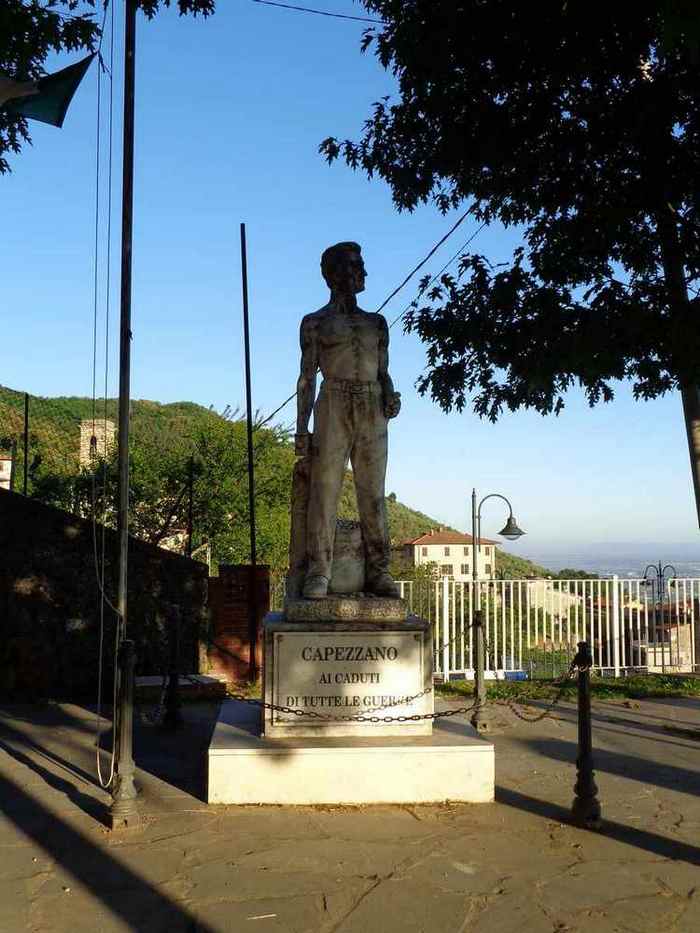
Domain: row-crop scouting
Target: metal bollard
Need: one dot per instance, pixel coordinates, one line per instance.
(585, 810)
(479, 717)
(124, 812)
(172, 716)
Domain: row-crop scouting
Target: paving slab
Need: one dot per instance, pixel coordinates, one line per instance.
(514, 865)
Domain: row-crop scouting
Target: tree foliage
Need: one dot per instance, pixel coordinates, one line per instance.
(578, 124)
(32, 29)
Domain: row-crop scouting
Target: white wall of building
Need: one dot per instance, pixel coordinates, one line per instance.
(5, 472)
(455, 560)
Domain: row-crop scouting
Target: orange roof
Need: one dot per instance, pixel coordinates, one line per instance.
(441, 536)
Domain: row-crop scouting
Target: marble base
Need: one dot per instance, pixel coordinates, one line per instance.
(246, 768)
(347, 608)
(324, 671)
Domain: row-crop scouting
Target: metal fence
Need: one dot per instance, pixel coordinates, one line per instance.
(532, 626)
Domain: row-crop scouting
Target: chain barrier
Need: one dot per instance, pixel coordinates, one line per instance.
(538, 717)
(366, 717)
(460, 635)
(371, 717)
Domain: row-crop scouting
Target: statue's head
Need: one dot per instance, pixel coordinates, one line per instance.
(343, 269)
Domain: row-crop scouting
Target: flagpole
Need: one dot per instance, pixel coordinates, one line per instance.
(123, 810)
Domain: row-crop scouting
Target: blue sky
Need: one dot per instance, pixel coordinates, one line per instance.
(230, 112)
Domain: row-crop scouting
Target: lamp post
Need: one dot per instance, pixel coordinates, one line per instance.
(511, 532)
(656, 576)
(123, 811)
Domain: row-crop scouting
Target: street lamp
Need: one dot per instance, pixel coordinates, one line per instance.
(511, 532)
(657, 580)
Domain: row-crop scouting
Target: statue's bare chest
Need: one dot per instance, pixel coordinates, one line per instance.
(356, 333)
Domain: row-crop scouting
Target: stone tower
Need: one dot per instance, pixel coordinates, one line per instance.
(97, 438)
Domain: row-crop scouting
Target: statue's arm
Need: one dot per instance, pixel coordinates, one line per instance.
(306, 384)
(392, 398)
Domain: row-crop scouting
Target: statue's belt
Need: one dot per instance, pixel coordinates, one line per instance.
(347, 385)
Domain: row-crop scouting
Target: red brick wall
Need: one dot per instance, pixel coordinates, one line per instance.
(229, 614)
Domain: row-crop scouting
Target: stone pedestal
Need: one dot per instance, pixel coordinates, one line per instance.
(246, 768)
(357, 608)
(345, 666)
(329, 673)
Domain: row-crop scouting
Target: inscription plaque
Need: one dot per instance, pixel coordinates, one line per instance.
(345, 671)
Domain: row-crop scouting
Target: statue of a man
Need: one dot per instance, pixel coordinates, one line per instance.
(351, 348)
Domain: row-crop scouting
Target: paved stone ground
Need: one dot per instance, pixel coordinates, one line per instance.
(511, 866)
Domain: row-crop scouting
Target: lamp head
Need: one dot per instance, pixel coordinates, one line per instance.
(510, 530)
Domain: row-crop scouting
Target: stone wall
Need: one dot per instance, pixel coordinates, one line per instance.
(105, 434)
(50, 606)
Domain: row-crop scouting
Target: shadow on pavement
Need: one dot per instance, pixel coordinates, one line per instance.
(127, 895)
(646, 770)
(640, 838)
(84, 802)
(10, 737)
(178, 757)
(615, 716)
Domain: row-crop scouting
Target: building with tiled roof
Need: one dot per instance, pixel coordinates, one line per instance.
(5, 471)
(451, 552)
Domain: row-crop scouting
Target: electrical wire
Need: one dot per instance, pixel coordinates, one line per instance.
(423, 261)
(438, 274)
(403, 283)
(276, 411)
(100, 564)
(304, 9)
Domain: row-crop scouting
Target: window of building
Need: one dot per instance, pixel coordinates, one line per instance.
(486, 552)
(466, 552)
(465, 569)
(487, 568)
(446, 570)
(424, 551)
(447, 552)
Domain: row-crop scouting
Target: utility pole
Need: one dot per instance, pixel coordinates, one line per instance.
(26, 441)
(253, 594)
(13, 464)
(190, 505)
(123, 810)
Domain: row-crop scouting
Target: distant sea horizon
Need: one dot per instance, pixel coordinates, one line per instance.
(623, 560)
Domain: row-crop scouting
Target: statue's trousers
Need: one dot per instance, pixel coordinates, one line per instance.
(349, 424)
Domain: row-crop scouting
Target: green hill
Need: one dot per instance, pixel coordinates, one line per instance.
(164, 436)
(54, 424)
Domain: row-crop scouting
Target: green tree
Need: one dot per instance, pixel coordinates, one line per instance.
(159, 487)
(32, 29)
(578, 125)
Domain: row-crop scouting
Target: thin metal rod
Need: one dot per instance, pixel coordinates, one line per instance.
(13, 464)
(123, 811)
(125, 317)
(26, 441)
(252, 599)
(190, 505)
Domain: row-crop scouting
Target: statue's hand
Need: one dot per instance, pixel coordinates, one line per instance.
(392, 405)
(302, 445)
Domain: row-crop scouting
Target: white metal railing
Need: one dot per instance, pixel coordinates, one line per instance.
(532, 626)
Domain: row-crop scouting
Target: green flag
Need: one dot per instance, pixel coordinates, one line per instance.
(49, 103)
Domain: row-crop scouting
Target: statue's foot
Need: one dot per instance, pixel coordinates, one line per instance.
(315, 587)
(383, 585)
